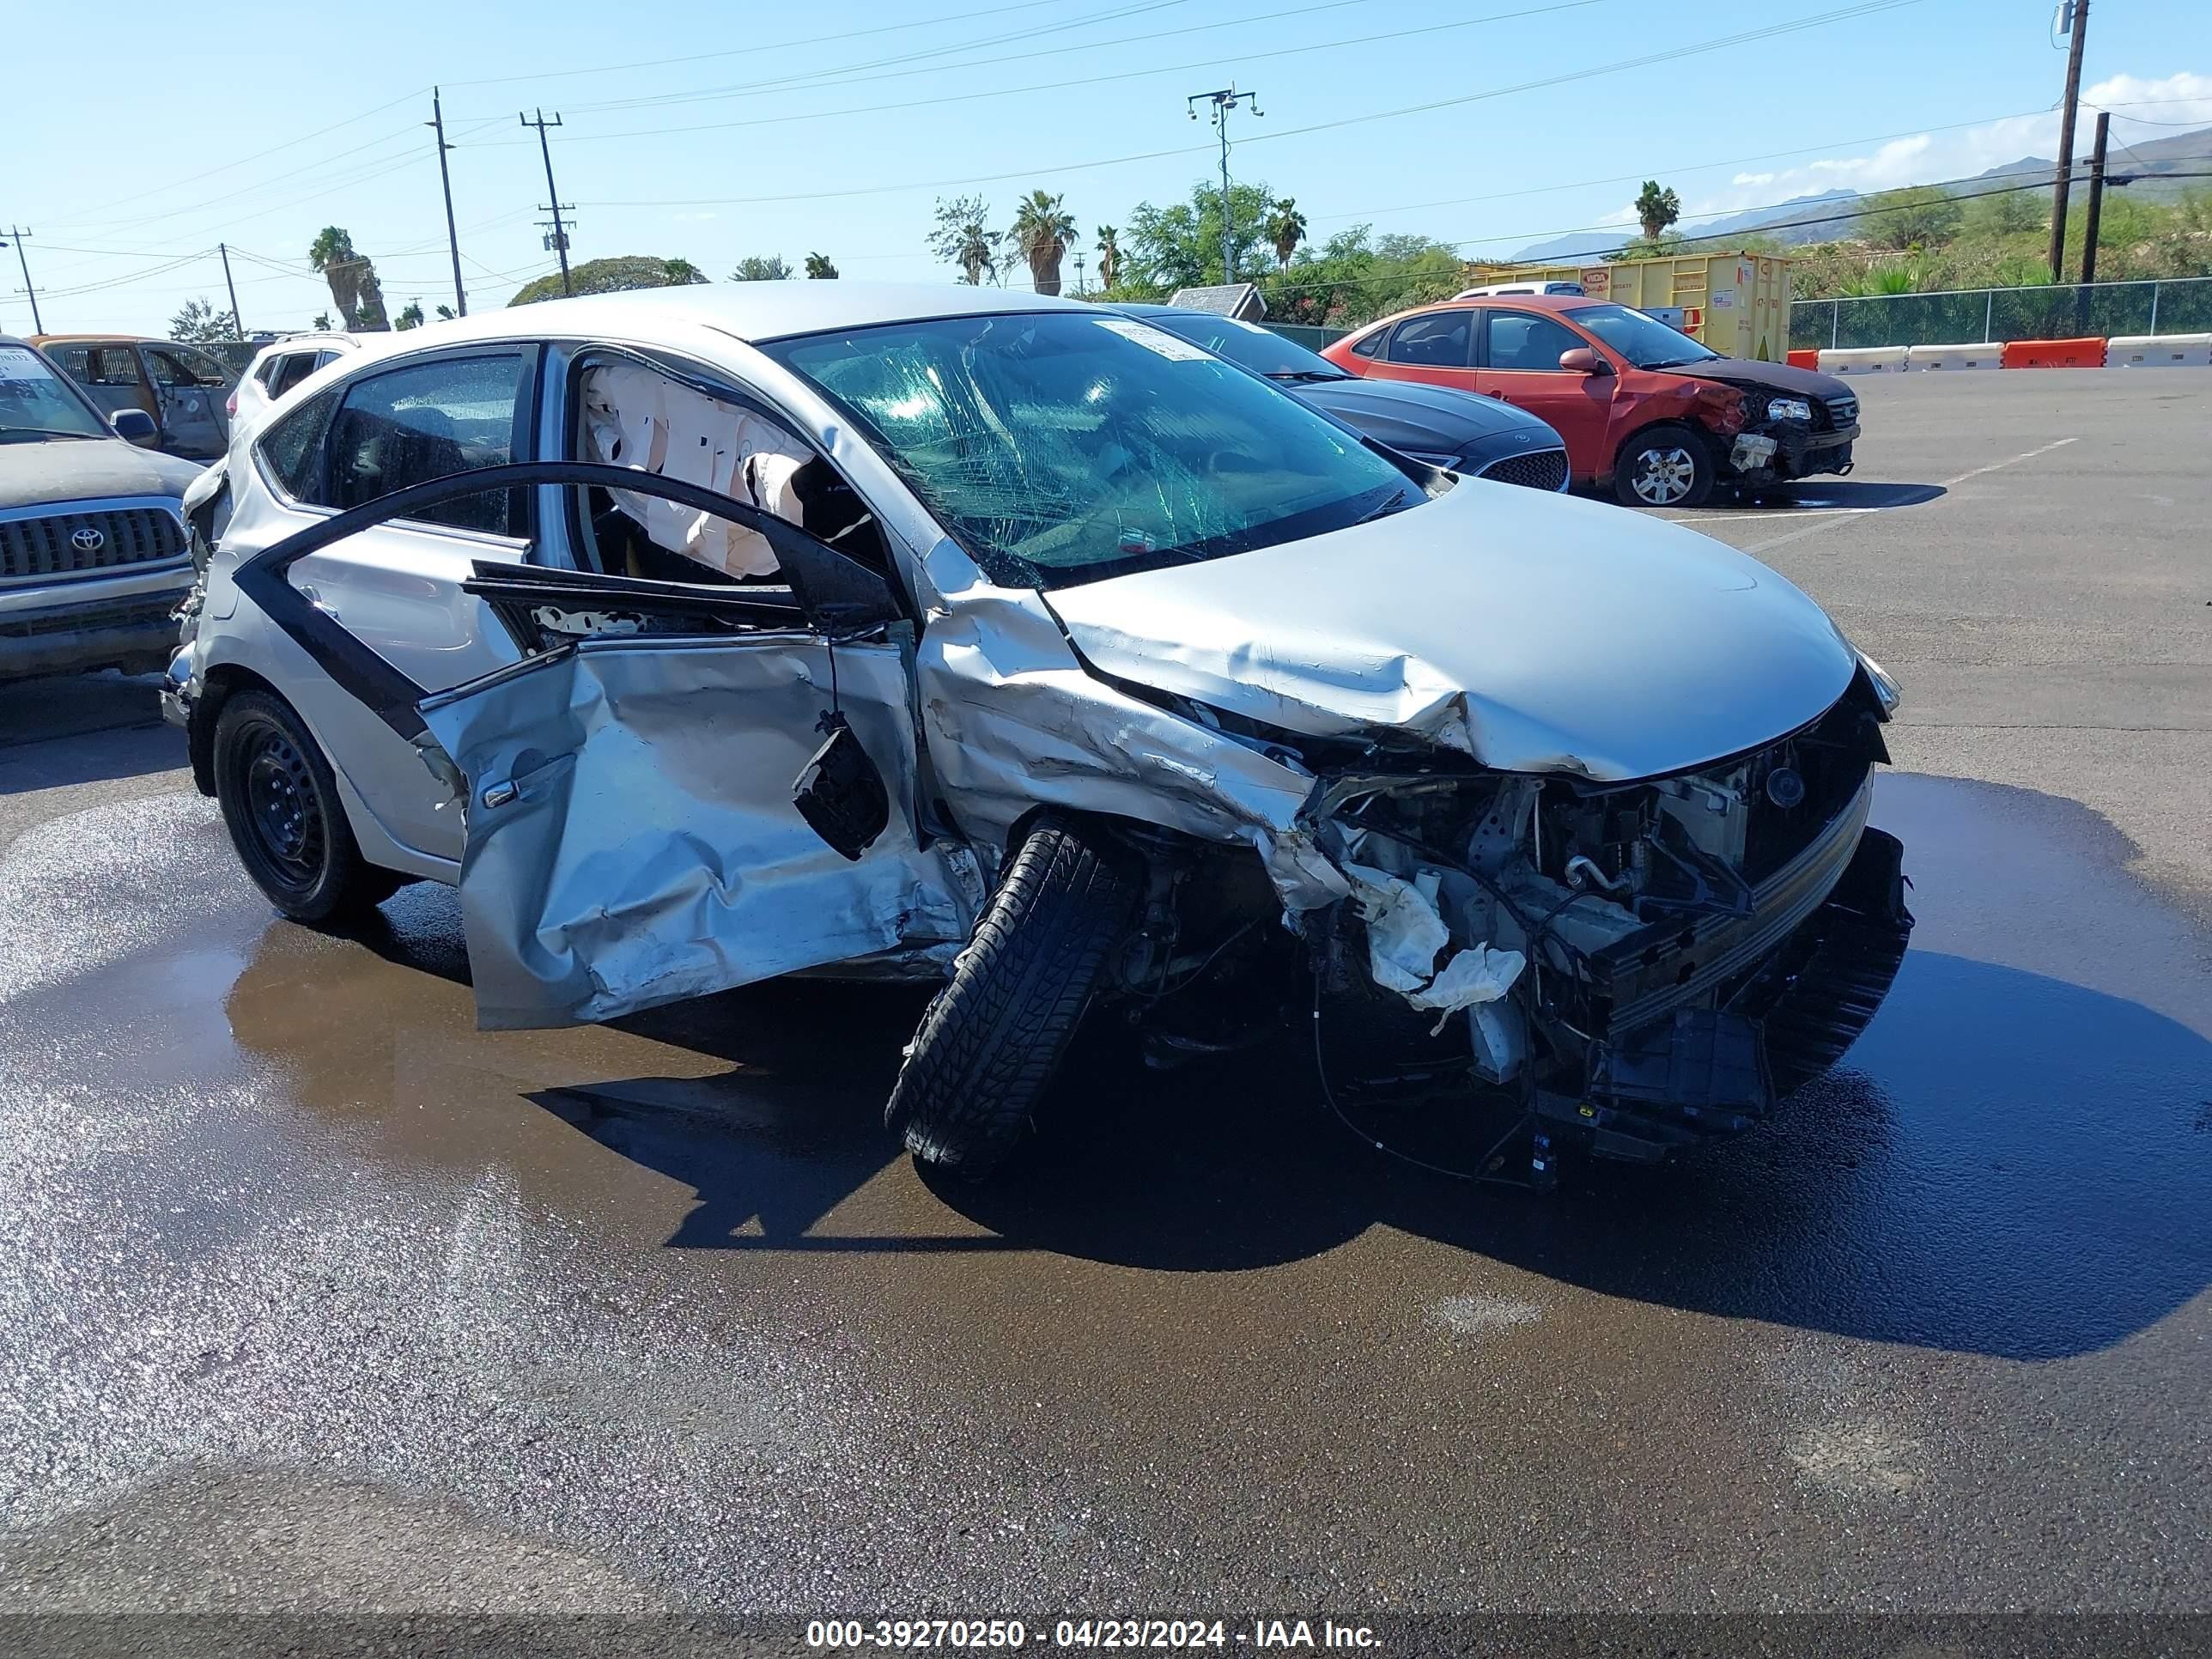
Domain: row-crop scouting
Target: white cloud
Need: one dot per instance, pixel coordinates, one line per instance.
(2173, 103)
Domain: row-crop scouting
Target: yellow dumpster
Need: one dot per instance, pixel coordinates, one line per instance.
(1738, 304)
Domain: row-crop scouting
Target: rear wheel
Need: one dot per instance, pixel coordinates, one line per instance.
(1664, 466)
(990, 1042)
(280, 802)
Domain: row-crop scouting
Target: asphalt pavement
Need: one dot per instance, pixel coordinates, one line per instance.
(316, 1299)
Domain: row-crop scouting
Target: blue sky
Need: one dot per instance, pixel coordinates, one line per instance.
(713, 131)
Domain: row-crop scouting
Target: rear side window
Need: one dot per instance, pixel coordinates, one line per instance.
(1437, 341)
(290, 369)
(180, 368)
(293, 449)
(1370, 344)
(430, 421)
(1519, 341)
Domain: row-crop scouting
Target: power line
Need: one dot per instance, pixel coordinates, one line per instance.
(1865, 9)
(754, 52)
(1029, 89)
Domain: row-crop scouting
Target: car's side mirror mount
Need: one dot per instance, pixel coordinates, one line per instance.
(1581, 359)
(134, 426)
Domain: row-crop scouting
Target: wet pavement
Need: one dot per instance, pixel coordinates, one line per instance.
(654, 1313)
(313, 1296)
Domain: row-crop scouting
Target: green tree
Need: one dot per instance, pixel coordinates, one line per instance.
(963, 237)
(1041, 233)
(761, 268)
(199, 322)
(1656, 209)
(323, 322)
(819, 268)
(612, 276)
(1285, 229)
(410, 315)
(1180, 245)
(1110, 256)
(352, 278)
(445, 313)
(2003, 212)
(1921, 216)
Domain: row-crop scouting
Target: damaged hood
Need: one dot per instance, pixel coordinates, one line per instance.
(64, 470)
(1784, 378)
(1536, 632)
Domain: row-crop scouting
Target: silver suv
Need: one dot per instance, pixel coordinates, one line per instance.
(94, 552)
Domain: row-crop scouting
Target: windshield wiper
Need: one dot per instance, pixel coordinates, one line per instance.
(1678, 362)
(1310, 374)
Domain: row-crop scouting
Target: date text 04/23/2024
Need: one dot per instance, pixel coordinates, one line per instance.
(1113, 1635)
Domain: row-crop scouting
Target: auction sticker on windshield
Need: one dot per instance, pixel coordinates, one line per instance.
(21, 363)
(1153, 339)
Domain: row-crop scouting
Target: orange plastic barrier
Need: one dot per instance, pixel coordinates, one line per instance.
(2054, 354)
(1804, 360)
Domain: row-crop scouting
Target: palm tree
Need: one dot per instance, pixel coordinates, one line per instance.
(352, 279)
(819, 268)
(682, 273)
(1110, 256)
(1286, 228)
(1042, 230)
(963, 238)
(1656, 209)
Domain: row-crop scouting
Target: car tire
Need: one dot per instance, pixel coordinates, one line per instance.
(280, 802)
(1663, 466)
(991, 1040)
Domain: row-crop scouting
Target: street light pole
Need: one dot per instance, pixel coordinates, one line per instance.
(2064, 175)
(1223, 99)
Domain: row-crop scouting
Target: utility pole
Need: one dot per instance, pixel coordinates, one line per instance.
(1223, 99)
(437, 122)
(1079, 276)
(2081, 10)
(237, 323)
(558, 241)
(2096, 200)
(37, 326)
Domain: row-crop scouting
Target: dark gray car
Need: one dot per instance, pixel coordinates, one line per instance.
(94, 555)
(1480, 436)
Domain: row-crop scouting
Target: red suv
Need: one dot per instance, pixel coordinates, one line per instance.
(1643, 407)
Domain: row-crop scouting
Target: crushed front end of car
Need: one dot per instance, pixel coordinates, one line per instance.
(1646, 964)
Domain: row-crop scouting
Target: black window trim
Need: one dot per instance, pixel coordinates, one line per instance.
(1389, 350)
(522, 442)
(1482, 344)
(717, 384)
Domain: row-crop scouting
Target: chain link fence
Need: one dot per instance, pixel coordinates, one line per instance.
(2053, 312)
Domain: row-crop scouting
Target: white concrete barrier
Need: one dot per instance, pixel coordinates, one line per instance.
(2159, 351)
(1990, 354)
(1863, 359)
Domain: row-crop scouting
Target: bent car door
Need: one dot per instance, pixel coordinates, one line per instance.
(190, 387)
(643, 789)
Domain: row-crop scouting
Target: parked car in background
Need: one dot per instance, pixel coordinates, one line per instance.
(1014, 645)
(1444, 428)
(1644, 408)
(93, 559)
(276, 369)
(184, 390)
(1529, 287)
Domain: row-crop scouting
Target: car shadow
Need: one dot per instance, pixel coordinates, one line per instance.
(2008, 1163)
(84, 728)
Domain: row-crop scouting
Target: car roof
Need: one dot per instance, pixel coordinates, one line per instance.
(110, 339)
(1492, 302)
(745, 311)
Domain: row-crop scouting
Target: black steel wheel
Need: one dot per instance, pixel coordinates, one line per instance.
(280, 802)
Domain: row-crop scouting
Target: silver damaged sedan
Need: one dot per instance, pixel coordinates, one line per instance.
(701, 636)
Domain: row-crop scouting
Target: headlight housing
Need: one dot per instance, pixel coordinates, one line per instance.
(1886, 690)
(1788, 409)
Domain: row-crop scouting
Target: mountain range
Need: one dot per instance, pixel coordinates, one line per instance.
(1817, 218)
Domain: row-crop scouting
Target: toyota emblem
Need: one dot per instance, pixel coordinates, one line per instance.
(88, 540)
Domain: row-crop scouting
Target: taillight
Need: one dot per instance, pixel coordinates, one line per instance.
(230, 403)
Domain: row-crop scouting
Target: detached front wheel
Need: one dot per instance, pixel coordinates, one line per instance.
(1666, 466)
(991, 1040)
